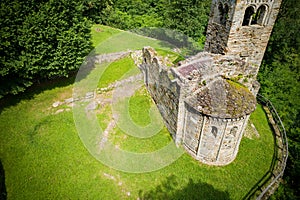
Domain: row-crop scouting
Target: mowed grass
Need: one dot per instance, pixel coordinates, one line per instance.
(115, 71)
(139, 105)
(109, 40)
(101, 33)
(43, 157)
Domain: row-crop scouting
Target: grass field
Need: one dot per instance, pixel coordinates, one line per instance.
(110, 40)
(44, 158)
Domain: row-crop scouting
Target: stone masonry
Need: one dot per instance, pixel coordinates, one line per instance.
(245, 29)
(207, 99)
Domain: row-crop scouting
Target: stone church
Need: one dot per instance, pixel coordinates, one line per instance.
(206, 100)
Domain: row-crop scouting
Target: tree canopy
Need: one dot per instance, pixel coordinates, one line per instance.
(40, 40)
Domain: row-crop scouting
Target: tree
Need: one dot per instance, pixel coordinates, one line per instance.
(130, 14)
(189, 17)
(41, 40)
(97, 10)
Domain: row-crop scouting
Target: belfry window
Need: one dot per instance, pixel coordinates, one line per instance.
(224, 14)
(251, 17)
(259, 15)
(248, 16)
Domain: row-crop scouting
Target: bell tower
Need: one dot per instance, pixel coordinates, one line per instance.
(241, 28)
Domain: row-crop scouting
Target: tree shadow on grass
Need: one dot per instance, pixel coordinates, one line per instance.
(35, 89)
(2, 183)
(170, 39)
(169, 189)
(48, 84)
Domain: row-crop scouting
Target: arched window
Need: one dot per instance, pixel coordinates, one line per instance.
(248, 16)
(233, 131)
(259, 15)
(220, 11)
(214, 131)
(224, 15)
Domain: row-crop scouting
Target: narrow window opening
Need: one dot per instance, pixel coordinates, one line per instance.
(225, 15)
(221, 11)
(248, 16)
(259, 16)
(214, 131)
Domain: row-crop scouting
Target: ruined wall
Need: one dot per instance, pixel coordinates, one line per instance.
(163, 90)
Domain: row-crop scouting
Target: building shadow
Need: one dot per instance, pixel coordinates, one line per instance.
(37, 88)
(170, 39)
(3, 193)
(169, 189)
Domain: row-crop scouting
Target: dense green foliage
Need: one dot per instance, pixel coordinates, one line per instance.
(189, 17)
(280, 82)
(40, 40)
(97, 10)
(129, 14)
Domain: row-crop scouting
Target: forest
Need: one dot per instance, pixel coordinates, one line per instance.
(42, 40)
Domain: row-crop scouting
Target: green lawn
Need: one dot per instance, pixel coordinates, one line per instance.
(115, 71)
(139, 104)
(44, 158)
(111, 40)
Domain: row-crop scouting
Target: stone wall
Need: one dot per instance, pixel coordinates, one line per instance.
(218, 29)
(235, 38)
(163, 89)
(212, 140)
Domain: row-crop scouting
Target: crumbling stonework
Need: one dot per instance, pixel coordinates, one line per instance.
(206, 100)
